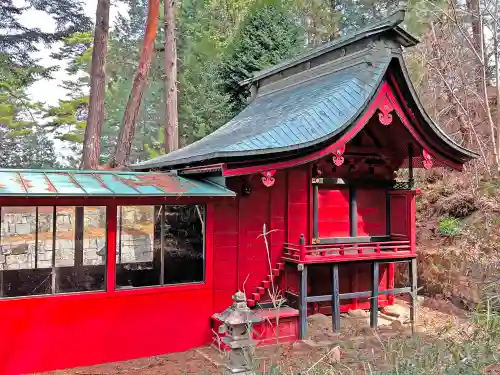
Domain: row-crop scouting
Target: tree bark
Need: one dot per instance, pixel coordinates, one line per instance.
(124, 144)
(497, 79)
(95, 119)
(474, 10)
(171, 113)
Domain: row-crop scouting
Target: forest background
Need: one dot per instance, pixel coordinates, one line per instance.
(163, 74)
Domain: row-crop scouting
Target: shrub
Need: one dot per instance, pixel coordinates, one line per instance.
(449, 226)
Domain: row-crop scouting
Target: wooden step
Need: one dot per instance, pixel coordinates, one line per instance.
(256, 296)
(261, 290)
(276, 272)
(281, 266)
(266, 284)
(251, 303)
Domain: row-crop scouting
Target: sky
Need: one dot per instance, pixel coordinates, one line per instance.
(48, 91)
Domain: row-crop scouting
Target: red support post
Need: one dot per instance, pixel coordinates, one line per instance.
(390, 276)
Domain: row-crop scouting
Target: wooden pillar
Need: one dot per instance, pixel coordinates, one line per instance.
(390, 266)
(413, 280)
(335, 298)
(53, 261)
(303, 303)
(354, 283)
(111, 220)
(374, 299)
(315, 211)
(411, 181)
(353, 212)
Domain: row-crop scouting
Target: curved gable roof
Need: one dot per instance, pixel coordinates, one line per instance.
(309, 107)
(294, 117)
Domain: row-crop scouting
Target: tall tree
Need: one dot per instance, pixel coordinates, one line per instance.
(124, 144)
(171, 110)
(268, 35)
(95, 119)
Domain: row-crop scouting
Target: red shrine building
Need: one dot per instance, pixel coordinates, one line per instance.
(294, 199)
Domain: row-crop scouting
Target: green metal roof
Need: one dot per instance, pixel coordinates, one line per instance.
(25, 183)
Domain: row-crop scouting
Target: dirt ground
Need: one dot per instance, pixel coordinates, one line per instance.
(357, 346)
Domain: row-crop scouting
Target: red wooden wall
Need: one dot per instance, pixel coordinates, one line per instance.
(239, 249)
(333, 212)
(46, 333)
(371, 205)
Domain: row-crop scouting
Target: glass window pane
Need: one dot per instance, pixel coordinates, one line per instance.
(80, 235)
(184, 244)
(138, 252)
(25, 255)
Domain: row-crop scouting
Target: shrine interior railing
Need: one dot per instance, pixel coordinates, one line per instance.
(341, 252)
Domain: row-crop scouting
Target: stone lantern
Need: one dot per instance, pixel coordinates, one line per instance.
(237, 323)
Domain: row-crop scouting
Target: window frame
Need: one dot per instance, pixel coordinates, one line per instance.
(53, 282)
(112, 204)
(162, 285)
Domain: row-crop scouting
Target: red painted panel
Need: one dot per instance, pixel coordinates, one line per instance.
(225, 242)
(254, 212)
(298, 204)
(371, 205)
(399, 215)
(59, 332)
(333, 213)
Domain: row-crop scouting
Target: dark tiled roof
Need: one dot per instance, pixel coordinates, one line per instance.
(310, 107)
(293, 117)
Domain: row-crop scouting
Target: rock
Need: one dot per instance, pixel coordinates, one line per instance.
(334, 355)
(358, 313)
(390, 311)
(397, 325)
(319, 319)
(300, 346)
(368, 331)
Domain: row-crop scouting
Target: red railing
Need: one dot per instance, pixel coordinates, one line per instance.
(342, 252)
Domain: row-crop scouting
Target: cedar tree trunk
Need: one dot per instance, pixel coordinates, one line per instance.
(92, 139)
(124, 144)
(171, 114)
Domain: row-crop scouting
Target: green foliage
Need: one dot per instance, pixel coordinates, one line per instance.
(267, 36)
(449, 226)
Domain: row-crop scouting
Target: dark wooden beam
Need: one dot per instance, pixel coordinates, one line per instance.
(372, 136)
(36, 237)
(303, 304)
(334, 182)
(347, 240)
(410, 165)
(374, 298)
(54, 230)
(343, 296)
(387, 214)
(335, 298)
(315, 211)
(353, 212)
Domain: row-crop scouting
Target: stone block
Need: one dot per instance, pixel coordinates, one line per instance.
(23, 228)
(44, 263)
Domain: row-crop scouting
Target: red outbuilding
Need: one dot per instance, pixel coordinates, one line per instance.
(295, 199)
